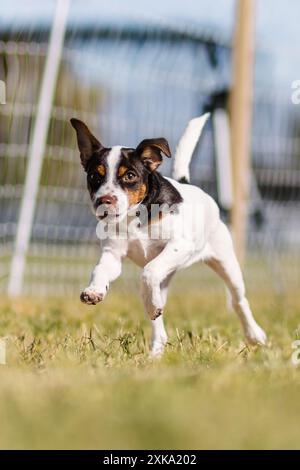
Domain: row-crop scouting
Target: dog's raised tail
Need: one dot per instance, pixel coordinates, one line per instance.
(186, 147)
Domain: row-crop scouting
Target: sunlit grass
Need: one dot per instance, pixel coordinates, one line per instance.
(80, 377)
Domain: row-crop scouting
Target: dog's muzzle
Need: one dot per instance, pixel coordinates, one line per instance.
(106, 206)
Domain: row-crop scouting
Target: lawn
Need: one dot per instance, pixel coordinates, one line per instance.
(80, 377)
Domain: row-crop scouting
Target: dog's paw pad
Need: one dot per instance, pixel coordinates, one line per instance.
(91, 297)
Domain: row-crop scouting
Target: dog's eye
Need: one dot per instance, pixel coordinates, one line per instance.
(129, 177)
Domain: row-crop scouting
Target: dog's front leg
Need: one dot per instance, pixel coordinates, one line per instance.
(156, 277)
(106, 271)
(159, 335)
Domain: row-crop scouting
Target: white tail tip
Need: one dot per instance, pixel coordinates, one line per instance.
(186, 147)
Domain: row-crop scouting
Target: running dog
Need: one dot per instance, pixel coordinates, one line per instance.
(124, 187)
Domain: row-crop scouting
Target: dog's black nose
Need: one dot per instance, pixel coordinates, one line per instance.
(108, 199)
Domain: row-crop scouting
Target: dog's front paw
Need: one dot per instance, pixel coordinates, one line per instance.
(256, 335)
(91, 297)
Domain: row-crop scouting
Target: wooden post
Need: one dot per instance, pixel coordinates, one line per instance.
(241, 116)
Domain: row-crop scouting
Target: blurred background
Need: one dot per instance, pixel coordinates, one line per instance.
(133, 70)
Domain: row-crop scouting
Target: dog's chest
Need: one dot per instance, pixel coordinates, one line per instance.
(142, 251)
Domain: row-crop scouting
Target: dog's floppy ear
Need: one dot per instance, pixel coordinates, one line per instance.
(87, 143)
(150, 151)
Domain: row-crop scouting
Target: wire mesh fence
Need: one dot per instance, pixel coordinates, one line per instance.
(128, 84)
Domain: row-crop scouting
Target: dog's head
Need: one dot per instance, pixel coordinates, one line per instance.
(117, 177)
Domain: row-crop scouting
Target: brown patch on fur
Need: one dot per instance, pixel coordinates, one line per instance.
(101, 170)
(136, 196)
(157, 313)
(122, 170)
(151, 157)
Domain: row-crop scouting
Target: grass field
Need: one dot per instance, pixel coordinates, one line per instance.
(80, 377)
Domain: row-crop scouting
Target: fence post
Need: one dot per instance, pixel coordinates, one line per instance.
(37, 148)
(241, 115)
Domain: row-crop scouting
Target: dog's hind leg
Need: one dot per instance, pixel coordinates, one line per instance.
(159, 335)
(222, 259)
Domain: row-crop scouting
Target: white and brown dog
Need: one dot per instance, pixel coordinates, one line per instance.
(124, 185)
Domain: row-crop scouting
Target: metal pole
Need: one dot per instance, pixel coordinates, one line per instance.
(37, 148)
(241, 115)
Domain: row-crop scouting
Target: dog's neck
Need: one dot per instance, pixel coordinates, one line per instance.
(160, 192)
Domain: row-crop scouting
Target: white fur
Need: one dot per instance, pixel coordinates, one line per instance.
(110, 187)
(205, 238)
(186, 147)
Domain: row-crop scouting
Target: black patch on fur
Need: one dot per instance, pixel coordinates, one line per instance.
(160, 191)
(183, 180)
(129, 161)
(94, 179)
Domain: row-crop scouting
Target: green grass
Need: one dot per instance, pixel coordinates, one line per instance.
(80, 377)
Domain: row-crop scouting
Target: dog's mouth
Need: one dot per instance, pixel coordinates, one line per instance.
(104, 214)
(110, 213)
